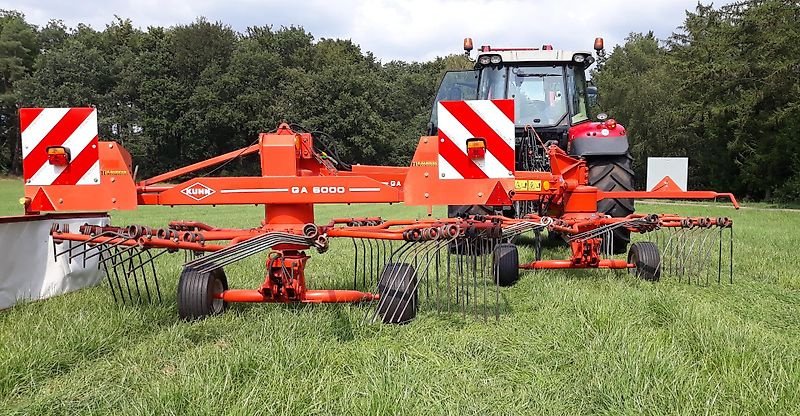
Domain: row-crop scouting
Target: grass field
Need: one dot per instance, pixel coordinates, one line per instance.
(587, 342)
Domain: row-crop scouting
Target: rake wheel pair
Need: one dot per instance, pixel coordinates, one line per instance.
(397, 286)
(197, 293)
(646, 260)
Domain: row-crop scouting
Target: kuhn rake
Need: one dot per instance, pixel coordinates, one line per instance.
(448, 264)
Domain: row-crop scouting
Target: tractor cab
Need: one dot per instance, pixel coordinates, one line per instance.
(548, 87)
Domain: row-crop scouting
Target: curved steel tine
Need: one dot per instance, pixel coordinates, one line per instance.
(427, 246)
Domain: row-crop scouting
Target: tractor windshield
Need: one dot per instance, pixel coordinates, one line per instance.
(540, 93)
(539, 96)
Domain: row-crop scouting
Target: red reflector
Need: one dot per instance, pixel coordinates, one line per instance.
(476, 148)
(58, 155)
(611, 124)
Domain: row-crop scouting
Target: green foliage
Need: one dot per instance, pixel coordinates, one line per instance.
(177, 95)
(723, 91)
(19, 48)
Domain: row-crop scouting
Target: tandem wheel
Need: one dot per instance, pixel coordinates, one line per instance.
(506, 264)
(646, 260)
(197, 293)
(398, 294)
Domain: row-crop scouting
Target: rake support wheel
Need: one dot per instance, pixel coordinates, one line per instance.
(398, 294)
(646, 260)
(614, 173)
(506, 263)
(197, 291)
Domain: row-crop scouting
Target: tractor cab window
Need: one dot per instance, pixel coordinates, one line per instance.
(493, 83)
(455, 86)
(539, 95)
(577, 81)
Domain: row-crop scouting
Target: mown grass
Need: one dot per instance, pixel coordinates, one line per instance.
(570, 343)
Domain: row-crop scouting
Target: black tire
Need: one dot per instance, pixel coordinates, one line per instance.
(614, 173)
(506, 263)
(398, 294)
(646, 260)
(196, 293)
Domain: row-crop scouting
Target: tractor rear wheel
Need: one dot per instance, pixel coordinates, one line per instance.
(613, 173)
(398, 294)
(197, 293)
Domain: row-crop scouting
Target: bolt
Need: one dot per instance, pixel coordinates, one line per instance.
(443, 175)
(60, 200)
(442, 140)
(480, 194)
(113, 200)
(426, 195)
(112, 180)
(94, 146)
(98, 180)
(426, 174)
(111, 145)
(425, 141)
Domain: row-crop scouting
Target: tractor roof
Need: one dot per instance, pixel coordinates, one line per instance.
(531, 54)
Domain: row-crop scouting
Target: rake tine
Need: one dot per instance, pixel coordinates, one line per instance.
(114, 265)
(447, 271)
(731, 255)
(363, 264)
(438, 287)
(129, 260)
(215, 261)
(108, 247)
(483, 268)
(369, 243)
(155, 275)
(406, 302)
(108, 278)
(144, 263)
(355, 264)
(134, 270)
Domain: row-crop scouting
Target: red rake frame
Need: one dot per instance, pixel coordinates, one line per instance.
(295, 177)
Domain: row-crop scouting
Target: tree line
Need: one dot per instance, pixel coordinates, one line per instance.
(177, 95)
(722, 90)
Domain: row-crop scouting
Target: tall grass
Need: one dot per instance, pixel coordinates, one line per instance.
(572, 342)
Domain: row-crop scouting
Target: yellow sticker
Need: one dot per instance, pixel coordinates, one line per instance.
(535, 185)
(546, 185)
(520, 185)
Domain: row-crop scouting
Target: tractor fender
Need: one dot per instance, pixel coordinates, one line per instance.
(605, 138)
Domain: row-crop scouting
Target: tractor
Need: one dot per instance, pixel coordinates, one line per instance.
(552, 102)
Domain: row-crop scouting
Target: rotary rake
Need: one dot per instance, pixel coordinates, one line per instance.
(454, 265)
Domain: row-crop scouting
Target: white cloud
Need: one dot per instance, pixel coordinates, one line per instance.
(409, 30)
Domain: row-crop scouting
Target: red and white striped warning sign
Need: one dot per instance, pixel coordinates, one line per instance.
(75, 129)
(489, 121)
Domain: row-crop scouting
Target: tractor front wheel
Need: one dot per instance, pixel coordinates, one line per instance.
(613, 173)
(197, 293)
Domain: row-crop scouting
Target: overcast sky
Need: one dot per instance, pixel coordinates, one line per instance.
(401, 29)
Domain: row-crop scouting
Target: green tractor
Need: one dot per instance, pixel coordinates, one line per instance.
(551, 105)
